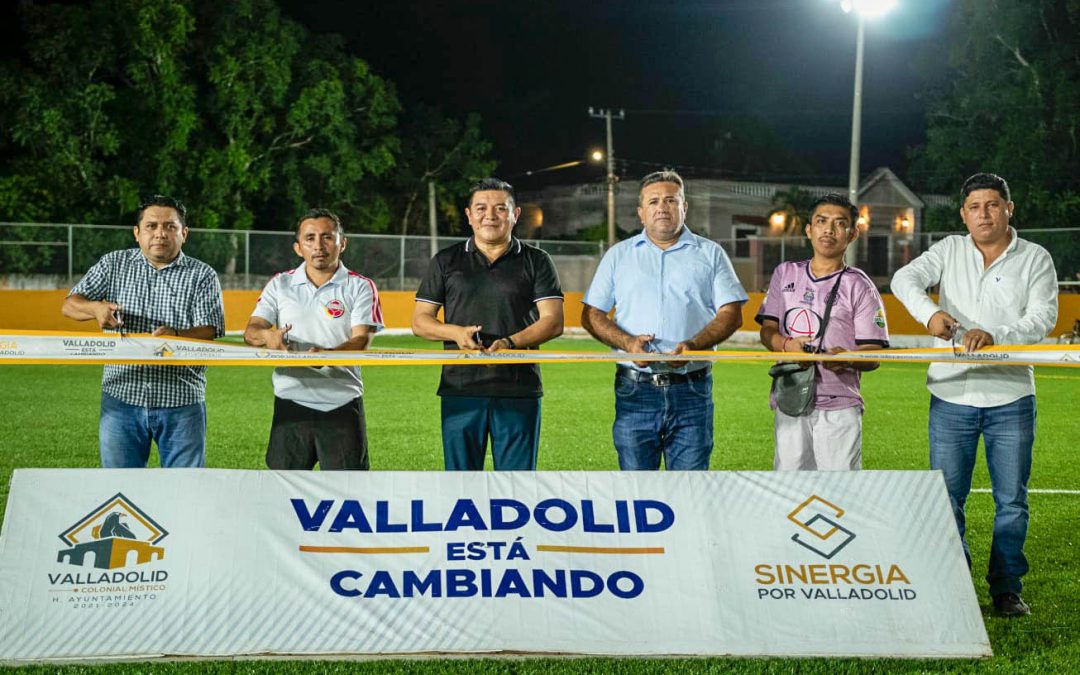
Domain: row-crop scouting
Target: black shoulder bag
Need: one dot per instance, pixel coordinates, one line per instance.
(795, 384)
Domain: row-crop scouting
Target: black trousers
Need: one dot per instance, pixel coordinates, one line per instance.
(301, 436)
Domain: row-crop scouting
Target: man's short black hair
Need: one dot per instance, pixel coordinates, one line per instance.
(662, 176)
(836, 199)
(985, 181)
(320, 213)
(165, 201)
(492, 183)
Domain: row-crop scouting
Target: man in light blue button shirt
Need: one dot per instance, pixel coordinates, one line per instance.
(673, 291)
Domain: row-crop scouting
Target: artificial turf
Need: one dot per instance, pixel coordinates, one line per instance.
(49, 419)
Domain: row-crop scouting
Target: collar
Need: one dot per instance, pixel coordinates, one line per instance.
(1013, 241)
(686, 238)
(299, 276)
(811, 277)
(515, 246)
(180, 260)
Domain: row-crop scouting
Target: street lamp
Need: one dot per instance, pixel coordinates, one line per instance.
(594, 156)
(865, 9)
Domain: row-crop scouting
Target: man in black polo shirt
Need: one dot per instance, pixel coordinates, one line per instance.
(497, 293)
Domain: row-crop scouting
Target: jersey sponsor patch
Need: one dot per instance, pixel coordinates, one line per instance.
(879, 318)
(335, 309)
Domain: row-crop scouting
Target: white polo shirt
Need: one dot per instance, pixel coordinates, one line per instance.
(320, 317)
(1014, 299)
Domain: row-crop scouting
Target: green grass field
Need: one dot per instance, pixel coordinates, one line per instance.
(49, 419)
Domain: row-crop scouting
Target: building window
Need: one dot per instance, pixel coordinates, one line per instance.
(742, 240)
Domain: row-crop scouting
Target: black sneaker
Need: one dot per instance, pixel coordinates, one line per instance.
(1010, 604)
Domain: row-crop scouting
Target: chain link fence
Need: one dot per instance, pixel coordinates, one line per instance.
(880, 255)
(43, 255)
(36, 255)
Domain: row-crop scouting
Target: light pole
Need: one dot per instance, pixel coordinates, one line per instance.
(607, 115)
(863, 9)
(856, 116)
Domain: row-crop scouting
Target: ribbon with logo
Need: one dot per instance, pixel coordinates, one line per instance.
(49, 347)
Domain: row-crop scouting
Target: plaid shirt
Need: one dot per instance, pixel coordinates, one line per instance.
(182, 295)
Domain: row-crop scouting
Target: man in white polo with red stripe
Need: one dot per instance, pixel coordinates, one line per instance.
(320, 305)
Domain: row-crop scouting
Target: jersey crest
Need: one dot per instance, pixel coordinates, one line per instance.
(335, 309)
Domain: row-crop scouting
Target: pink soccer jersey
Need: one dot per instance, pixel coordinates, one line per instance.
(796, 301)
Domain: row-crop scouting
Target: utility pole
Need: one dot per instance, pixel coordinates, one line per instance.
(608, 116)
(433, 227)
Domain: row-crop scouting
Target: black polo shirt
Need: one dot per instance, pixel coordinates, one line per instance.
(501, 296)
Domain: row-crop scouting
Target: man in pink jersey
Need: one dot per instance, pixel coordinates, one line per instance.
(320, 305)
(829, 436)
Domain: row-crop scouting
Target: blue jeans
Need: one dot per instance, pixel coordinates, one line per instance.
(674, 421)
(1008, 433)
(125, 432)
(512, 424)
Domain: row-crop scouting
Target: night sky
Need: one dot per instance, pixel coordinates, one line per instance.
(680, 69)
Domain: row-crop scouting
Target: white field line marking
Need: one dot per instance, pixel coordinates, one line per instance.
(1034, 491)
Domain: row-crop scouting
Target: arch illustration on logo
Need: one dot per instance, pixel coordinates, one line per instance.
(109, 533)
(801, 322)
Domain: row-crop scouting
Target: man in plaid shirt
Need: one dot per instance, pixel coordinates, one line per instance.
(152, 289)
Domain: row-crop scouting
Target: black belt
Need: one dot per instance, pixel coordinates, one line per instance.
(661, 379)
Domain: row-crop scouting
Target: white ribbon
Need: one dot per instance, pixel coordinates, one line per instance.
(48, 347)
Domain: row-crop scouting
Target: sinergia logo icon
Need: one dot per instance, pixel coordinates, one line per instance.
(818, 517)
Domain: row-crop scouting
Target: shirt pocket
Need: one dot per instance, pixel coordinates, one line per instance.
(1004, 297)
(693, 281)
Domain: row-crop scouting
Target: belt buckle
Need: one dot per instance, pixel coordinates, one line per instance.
(660, 379)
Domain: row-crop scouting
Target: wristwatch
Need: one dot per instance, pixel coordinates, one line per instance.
(510, 341)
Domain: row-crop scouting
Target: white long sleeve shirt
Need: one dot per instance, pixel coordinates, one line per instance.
(1014, 299)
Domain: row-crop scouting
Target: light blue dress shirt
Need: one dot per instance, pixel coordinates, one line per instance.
(671, 293)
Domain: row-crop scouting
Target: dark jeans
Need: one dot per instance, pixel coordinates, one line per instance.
(674, 421)
(301, 436)
(512, 424)
(1008, 433)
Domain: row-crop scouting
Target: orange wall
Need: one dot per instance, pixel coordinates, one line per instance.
(40, 310)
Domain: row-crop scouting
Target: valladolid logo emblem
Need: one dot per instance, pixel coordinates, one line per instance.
(116, 534)
(818, 517)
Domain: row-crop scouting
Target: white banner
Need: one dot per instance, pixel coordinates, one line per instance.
(109, 563)
(46, 347)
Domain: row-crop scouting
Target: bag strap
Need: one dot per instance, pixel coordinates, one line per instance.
(828, 311)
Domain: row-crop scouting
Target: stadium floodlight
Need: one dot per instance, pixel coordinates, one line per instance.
(868, 9)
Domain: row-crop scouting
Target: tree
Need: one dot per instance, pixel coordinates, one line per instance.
(451, 153)
(746, 147)
(72, 111)
(1012, 107)
(794, 203)
(231, 106)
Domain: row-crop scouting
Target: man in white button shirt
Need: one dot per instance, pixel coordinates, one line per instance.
(320, 305)
(994, 288)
